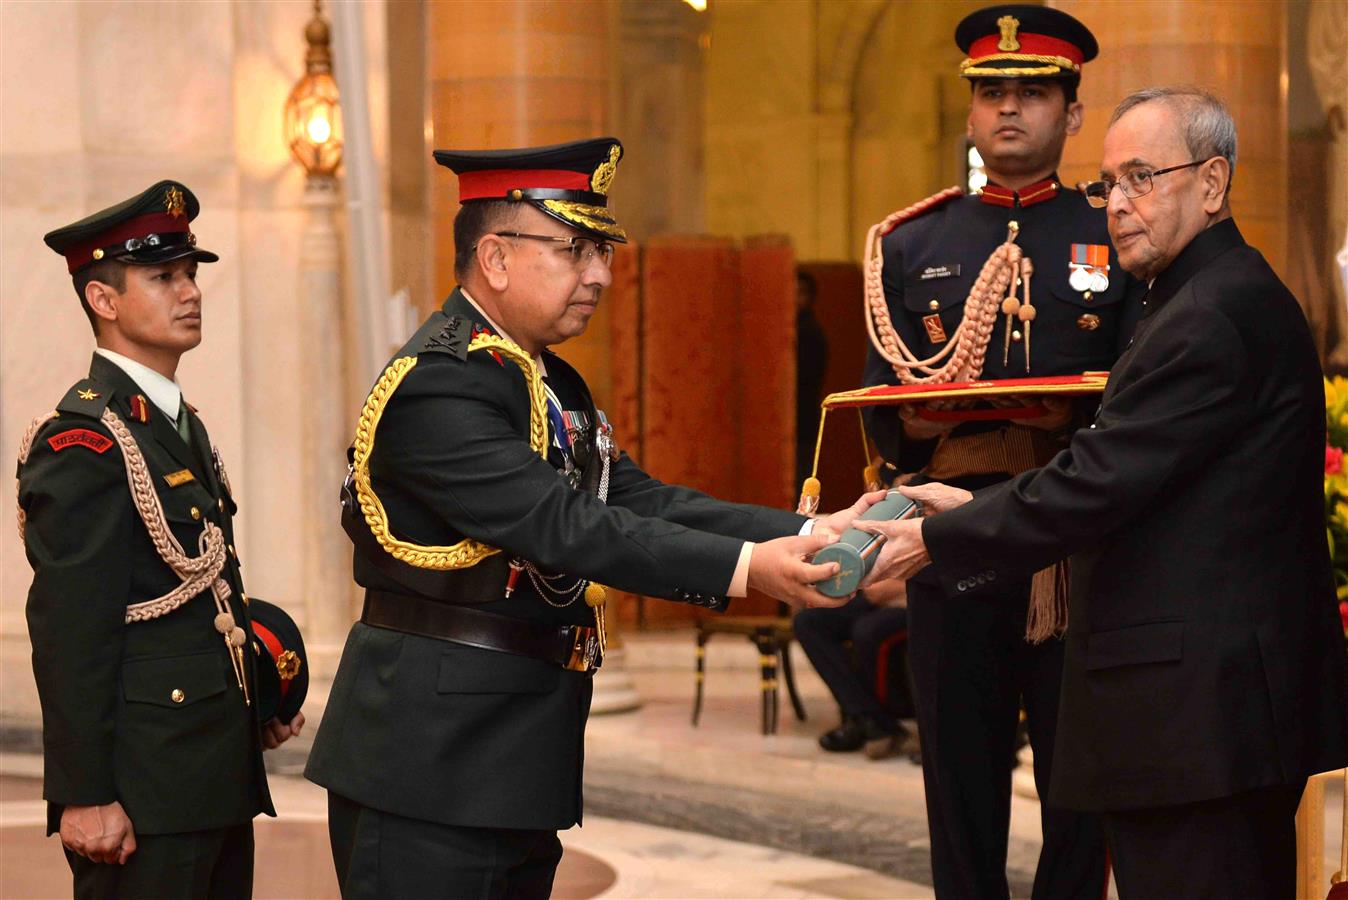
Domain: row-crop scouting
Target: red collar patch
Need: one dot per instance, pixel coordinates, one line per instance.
(1026, 196)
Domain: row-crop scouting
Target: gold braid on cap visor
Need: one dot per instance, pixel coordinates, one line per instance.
(594, 218)
(466, 552)
(1049, 65)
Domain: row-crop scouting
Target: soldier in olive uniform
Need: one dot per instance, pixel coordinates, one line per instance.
(486, 499)
(137, 615)
(972, 665)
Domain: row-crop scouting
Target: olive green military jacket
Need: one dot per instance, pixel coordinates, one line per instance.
(148, 713)
(458, 735)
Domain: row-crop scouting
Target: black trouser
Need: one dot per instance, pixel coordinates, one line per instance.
(1239, 846)
(382, 855)
(971, 669)
(217, 864)
(822, 634)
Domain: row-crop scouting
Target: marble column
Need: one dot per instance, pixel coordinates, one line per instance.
(326, 590)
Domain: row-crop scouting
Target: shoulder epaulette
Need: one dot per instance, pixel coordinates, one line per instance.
(451, 340)
(87, 398)
(920, 208)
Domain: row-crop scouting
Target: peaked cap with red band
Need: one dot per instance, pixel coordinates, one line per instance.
(569, 181)
(152, 227)
(1019, 41)
(282, 665)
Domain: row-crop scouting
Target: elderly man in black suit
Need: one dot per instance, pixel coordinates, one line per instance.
(1204, 676)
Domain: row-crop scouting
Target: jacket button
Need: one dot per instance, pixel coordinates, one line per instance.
(195, 513)
(934, 304)
(177, 696)
(231, 551)
(962, 586)
(221, 503)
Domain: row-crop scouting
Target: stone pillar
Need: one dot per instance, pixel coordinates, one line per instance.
(512, 73)
(326, 585)
(1232, 48)
(659, 117)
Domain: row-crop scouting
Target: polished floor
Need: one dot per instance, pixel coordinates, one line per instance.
(673, 810)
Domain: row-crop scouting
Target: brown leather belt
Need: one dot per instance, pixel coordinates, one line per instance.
(573, 647)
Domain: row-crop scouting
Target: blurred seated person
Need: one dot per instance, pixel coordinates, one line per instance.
(866, 621)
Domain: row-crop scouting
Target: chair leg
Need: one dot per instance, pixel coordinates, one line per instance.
(764, 683)
(767, 657)
(789, 674)
(701, 674)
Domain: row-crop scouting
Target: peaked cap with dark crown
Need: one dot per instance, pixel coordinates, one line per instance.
(568, 181)
(152, 227)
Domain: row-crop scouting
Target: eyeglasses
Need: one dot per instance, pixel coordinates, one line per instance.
(580, 249)
(1134, 184)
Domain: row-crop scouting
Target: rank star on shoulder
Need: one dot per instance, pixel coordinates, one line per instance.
(88, 394)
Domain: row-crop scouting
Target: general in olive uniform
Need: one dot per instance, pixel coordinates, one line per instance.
(1074, 312)
(137, 615)
(487, 503)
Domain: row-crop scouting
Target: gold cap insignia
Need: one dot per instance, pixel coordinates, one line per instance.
(174, 203)
(603, 176)
(87, 394)
(288, 665)
(1008, 25)
(98, 254)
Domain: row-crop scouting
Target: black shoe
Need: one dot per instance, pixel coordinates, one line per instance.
(846, 738)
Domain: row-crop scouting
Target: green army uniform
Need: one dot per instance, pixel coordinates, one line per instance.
(137, 611)
(453, 743)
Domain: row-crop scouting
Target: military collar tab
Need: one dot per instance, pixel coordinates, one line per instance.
(1029, 195)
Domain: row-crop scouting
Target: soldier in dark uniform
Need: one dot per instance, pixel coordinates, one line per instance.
(137, 615)
(975, 662)
(486, 503)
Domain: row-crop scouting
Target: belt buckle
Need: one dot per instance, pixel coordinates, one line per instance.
(585, 655)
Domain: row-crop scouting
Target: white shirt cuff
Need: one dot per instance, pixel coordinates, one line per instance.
(739, 582)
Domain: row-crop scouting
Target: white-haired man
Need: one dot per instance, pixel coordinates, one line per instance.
(1204, 675)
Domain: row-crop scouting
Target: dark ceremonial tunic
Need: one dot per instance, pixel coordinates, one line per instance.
(1205, 656)
(111, 728)
(445, 733)
(972, 669)
(937, 256)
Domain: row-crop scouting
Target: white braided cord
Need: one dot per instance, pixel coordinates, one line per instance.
(196, 573)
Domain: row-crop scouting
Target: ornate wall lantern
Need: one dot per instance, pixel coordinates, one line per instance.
(313, 116)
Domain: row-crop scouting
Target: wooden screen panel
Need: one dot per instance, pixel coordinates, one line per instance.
(690, 296)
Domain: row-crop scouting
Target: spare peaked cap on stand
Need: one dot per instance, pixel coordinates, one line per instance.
(569, 181)
(152, 227)
(1020, 41)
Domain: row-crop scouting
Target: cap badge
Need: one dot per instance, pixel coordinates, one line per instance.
(288, 665)
(87, 394)
(603, 176)
(174, 203)
(98, 254)
(1008, 25)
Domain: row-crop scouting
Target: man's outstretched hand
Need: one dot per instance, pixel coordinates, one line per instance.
(780, 569)
(842, 520)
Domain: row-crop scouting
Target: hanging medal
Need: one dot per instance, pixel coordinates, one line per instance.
(1089, 268)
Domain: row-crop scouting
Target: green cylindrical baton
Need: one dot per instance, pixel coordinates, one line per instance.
(856, 551)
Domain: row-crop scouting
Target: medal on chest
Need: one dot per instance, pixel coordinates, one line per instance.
(1089, 268)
